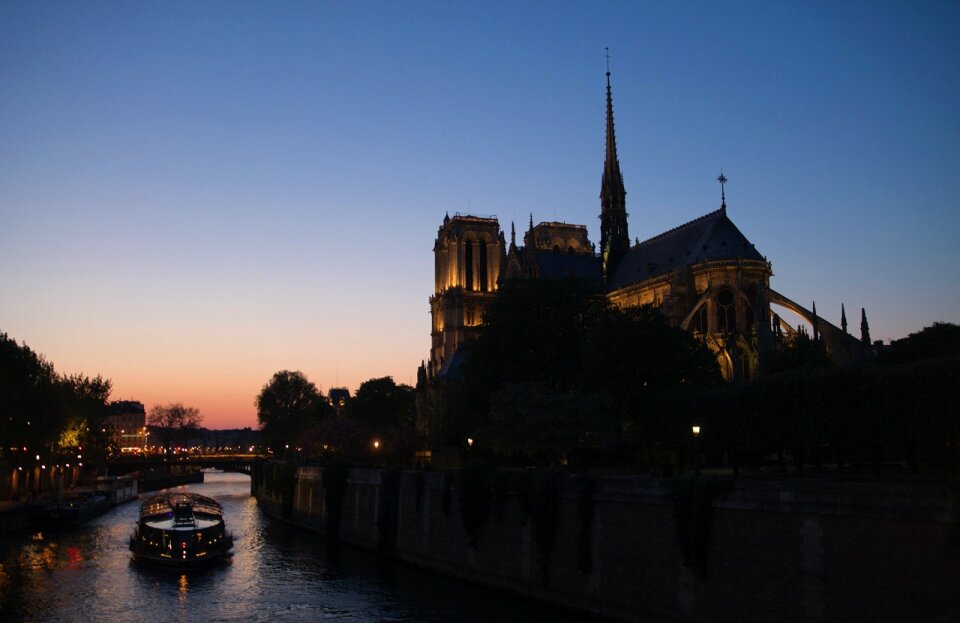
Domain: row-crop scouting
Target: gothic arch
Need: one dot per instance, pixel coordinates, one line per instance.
(685, 324)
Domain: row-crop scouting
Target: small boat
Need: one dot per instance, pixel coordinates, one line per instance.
(73, 509)
(180, 529)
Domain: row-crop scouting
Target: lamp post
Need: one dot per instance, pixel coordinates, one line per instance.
(696, 449)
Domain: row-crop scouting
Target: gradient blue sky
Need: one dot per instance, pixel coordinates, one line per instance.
(194, 195)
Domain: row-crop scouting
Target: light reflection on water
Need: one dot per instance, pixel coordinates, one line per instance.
(275, 574)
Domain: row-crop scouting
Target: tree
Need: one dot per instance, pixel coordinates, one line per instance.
(557, 367)
(382, 403)
(383, 414)
(30, 414)
(938, 340)
(85, 402)
(174, 422)
(287, 407)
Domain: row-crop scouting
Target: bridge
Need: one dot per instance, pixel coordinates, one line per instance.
(235, 462)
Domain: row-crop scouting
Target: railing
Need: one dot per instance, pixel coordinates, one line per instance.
(242, 463)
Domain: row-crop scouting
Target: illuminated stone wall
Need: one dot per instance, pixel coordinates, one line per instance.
(468, 255)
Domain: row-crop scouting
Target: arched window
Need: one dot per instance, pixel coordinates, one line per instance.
(468, 264)
(702, 320)
(726, 311)
(744, 360)
(483, 266)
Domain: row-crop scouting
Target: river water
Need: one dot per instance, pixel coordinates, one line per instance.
(276, 574)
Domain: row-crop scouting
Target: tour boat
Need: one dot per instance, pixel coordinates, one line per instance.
(180, 529)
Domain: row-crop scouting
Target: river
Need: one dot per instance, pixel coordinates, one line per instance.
(276, 574)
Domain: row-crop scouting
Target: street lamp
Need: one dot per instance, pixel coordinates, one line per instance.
(470, 441)
(376, 444)
(696, 449)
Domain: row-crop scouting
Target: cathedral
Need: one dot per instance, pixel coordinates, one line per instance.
(705, 276)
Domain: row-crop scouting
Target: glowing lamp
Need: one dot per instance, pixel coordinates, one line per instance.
(696, 430)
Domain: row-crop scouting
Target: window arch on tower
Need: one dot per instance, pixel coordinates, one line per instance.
(468, 264)
(482, 247)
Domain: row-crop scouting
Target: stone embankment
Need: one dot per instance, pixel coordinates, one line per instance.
(644, 549)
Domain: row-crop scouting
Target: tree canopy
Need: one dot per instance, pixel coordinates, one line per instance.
(381, 402)
(556, 366)
(288, 406)
(47, 413)
(174, 422)
(938, 340)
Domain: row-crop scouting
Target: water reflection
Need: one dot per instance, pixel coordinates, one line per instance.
(275, 574)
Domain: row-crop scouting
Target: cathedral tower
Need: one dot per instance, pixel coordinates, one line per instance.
(614, 239)
(468, 255)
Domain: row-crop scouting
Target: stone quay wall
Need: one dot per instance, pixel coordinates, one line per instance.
(804, 551)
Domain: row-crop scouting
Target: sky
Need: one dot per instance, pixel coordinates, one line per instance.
(196, 195)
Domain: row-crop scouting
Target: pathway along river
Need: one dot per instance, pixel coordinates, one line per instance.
(276, 574)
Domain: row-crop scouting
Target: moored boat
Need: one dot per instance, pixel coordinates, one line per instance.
(74, 508)
(180, 529)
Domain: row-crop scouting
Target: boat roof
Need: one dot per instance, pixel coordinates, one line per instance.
(167, 503)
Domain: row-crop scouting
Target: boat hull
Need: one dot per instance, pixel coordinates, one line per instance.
(153, 556)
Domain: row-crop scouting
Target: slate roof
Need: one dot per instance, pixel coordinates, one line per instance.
(711, 237)
(562, 265)
(451, 368)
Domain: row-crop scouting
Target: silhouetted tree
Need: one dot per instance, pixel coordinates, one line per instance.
(85, 403)
(174, 422)
(287, 407)
(796, 351)
(382, 403)
(556, 366)
(938, 340)
(29, 399)
(48, 414)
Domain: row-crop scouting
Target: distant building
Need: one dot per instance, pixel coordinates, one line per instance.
(126, 425)
(338, 398)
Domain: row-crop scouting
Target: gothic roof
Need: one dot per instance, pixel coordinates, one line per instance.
(711, 237)
(562, 264)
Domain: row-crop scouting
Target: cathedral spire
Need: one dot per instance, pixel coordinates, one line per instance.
(843, 318)
(614, 239)
(816, 328)
(723, 191)
(864, 327)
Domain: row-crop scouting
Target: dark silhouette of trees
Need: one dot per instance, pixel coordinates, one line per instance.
(797, 351)
(938, 340)
(29, 398)
(556, 367)
(377, 426)
(48, 414)
(381, 403)
(174, 422)
(288, 406)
